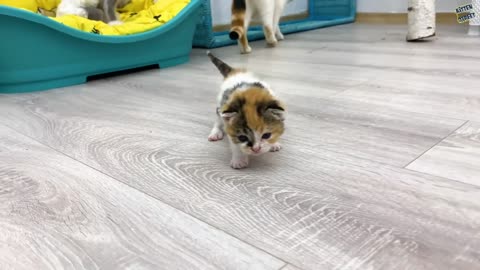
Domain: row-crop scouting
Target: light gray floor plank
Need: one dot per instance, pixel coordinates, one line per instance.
(457, 157)
(56, 213)
(414, 77)
(290, 267)
(334, 198)
(358, 129)
(422, 96)
(438, 78)
(309, 206)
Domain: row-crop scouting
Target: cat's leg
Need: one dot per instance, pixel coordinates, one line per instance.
(267, 12)
(243, 41)
(275, 147)
(279, 7)
(239, 159)
(217, 131)
(278, 34)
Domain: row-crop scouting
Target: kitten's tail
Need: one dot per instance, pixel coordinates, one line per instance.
(238, 19)
(222, 66)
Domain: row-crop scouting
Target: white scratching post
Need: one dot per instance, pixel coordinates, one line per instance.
(421, 19)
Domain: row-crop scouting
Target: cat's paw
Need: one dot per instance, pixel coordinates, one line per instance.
(279, 36)
(115, 22)
(215, 135)
(239, 163)
(272, 43)
(275, 147)
(246, 50)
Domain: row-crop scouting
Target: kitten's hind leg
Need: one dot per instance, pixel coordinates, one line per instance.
(217, 131)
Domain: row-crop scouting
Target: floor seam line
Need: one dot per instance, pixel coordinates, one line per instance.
(437, 143)
(444, 178)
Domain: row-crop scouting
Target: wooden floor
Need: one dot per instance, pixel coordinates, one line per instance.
(380, 167)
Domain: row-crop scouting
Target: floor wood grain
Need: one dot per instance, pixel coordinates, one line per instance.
(438, 78)
(337, 196)
(358, 129)
(303, 204)
(56, 213)
(457, 157)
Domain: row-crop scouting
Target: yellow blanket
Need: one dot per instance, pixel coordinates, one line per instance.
(138, 16)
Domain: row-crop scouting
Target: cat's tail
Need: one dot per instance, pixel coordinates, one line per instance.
(221, 66)
(238, 19)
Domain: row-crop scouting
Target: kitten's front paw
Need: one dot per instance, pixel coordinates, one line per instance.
(215, 135)
(239, 163)
(275, 147)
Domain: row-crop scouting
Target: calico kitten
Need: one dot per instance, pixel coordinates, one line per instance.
(269, 12)
(104, 10)
(249, 112)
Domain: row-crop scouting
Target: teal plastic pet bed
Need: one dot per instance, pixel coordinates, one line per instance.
(38, 53)
(322, 13)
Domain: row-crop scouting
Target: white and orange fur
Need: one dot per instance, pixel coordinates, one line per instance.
(249, 113)
(81, 8)
(268, 11)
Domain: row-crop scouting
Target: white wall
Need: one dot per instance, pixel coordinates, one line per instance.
(221, 10)
(400, 6)
(296, 7)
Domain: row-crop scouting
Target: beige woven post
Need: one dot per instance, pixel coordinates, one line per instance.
(421, 19)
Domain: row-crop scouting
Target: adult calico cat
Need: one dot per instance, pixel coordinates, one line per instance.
(268, 11)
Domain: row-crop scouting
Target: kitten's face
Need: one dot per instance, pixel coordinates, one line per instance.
(254, 120)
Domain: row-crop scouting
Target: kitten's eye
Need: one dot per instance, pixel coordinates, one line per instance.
(243, 138)
(266, 136)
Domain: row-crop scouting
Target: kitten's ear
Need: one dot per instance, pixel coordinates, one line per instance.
(228, 115)
(276, 110)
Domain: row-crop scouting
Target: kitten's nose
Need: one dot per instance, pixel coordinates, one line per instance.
(256, 149)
